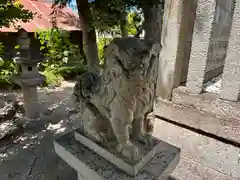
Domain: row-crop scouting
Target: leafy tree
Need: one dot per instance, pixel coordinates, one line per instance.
(134, 25)
(57, 46)
(152, 13)
(12, 11)
(63, 57)
(101, 14)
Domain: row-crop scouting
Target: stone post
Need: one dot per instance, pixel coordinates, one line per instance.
(205, 15)
(177, 30)
(28, 76)
(230, 89)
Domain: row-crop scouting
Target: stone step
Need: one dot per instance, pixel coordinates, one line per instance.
(200, 120)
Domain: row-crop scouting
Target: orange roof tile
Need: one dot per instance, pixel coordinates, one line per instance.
(66, 19)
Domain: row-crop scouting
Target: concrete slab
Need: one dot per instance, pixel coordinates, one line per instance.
(92, 166)
(208, 155)
(188, 169)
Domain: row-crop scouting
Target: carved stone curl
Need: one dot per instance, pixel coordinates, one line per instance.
(116, 103)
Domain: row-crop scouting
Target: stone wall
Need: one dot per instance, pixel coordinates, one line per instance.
(219, 38)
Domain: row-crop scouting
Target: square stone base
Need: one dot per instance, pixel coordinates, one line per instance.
(109, 152)
(91, 166)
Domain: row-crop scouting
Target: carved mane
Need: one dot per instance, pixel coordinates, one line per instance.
(126, 83)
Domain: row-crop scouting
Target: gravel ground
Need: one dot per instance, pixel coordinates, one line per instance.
(213, 85)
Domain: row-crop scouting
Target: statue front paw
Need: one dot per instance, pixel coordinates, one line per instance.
(129, 150)
(147, 140)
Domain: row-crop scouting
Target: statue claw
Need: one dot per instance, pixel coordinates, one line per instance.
(147, 140)
(129, 151)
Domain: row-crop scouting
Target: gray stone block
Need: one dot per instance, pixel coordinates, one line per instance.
(91, 166)
(131, 167)
(202, 112)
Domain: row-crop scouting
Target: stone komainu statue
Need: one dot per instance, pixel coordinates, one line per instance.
(116, 103)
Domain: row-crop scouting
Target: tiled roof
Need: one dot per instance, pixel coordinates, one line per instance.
(66, 19)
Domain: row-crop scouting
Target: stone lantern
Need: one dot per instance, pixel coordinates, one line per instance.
(28, 76)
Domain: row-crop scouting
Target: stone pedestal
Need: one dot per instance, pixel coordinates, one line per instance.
(92, 166)
(31, 102)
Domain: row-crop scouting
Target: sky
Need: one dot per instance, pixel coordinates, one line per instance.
(73, 5)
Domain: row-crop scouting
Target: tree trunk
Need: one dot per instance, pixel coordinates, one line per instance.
(89, 36)
(81, 48)
(152, 23)
(139, 32)
(123, 25)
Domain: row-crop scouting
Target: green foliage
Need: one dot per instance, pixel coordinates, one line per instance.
(57, 46)
(134, 22)
(12, 11)
(141, 3)
(70, 72)
(63, 58)
(8, 68)
(1, 49)
(52, 78)
(102, 42)
(106, 13)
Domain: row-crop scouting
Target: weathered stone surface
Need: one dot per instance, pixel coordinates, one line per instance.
(131, 167)
(230, 89)
(177, 33)
(116, 103)
(202, 112)
(206, 47)
(200, 44)
(202, 157)
(210, 103)
(219, 38)
(92, 166)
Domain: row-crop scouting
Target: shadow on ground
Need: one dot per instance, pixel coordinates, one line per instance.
(171, 178)
(29, 153)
